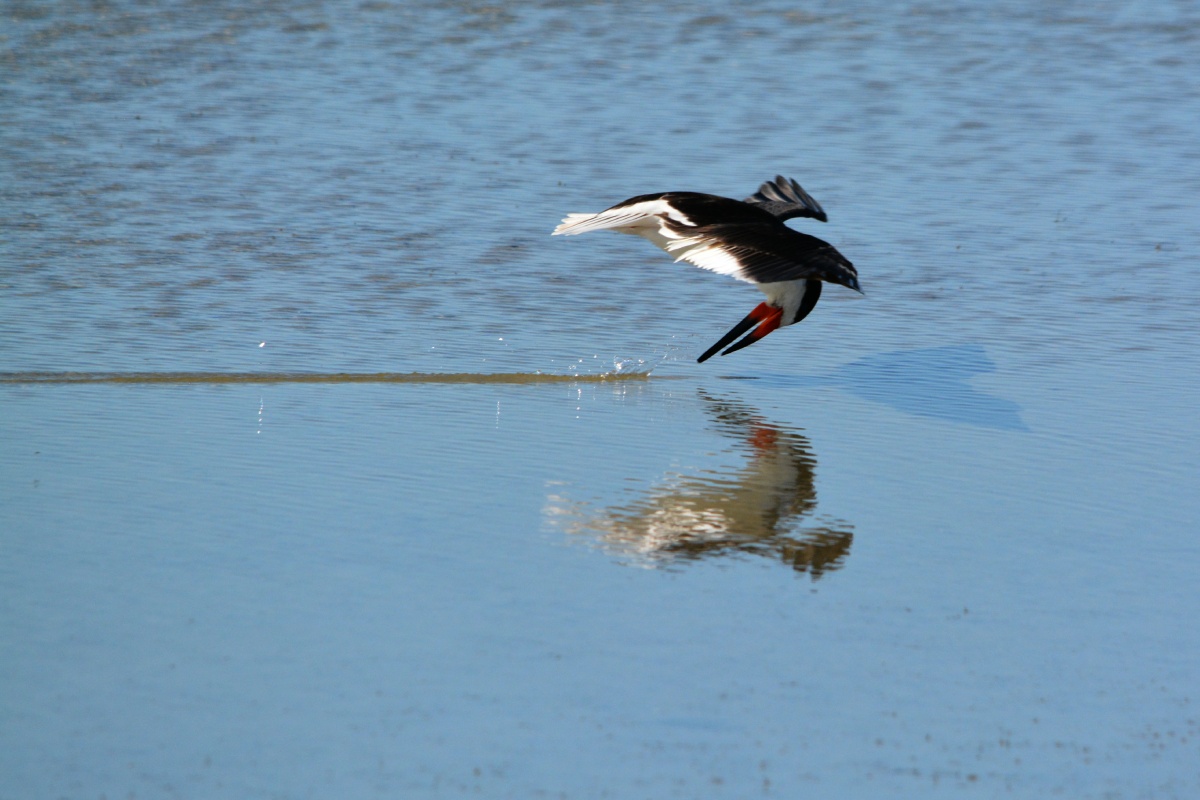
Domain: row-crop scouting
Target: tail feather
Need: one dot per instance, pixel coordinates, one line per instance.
(620, 219)
(577, 223)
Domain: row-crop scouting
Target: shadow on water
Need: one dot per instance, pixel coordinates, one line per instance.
(765, 507)
(930, 382)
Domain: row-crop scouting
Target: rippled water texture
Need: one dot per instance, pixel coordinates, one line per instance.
(326, 472)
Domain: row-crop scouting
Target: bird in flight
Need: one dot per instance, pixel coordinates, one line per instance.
(745, 239)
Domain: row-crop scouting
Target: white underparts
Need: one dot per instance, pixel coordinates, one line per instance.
(786, 295)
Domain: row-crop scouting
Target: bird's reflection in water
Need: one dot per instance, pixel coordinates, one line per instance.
(766, 507)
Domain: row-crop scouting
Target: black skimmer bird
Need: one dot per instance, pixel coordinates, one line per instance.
(745, 239)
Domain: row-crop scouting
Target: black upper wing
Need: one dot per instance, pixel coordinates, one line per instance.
(771, 252)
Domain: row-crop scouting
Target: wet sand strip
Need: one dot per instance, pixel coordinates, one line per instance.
(308, 377)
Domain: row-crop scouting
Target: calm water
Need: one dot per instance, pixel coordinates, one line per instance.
(939, 540)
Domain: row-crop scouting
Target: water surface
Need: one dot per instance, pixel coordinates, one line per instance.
(325, 471)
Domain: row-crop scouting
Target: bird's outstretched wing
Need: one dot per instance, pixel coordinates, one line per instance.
(759, 253)
(784, 198)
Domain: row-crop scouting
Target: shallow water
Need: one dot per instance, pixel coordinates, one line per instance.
(325, 471)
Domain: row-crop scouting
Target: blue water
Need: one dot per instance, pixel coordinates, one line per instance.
(937, 540)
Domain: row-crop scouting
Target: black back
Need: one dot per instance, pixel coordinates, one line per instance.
(706, 209)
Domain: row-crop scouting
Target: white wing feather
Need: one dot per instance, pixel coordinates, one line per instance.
(705, 253)
(640, 219)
